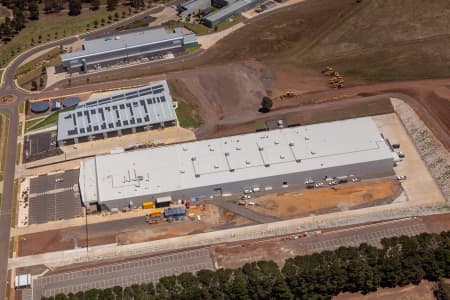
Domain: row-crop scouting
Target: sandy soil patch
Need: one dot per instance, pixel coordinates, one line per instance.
(326, 199)
(423, 291)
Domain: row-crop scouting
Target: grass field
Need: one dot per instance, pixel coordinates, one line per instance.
(31, 123)
(372, 40)
(42, 122)
(18, 153)
(52, 27)
(4, 127)
(187, 115)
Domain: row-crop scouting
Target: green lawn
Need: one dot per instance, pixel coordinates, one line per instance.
(18, 152)
(30, 124)
(187, 115)
(42, 122)
(11, 248)
(49, 56)
(52, 27)
(193, 48)
(4, 121)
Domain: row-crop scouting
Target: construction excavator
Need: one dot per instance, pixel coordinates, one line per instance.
(336, 79)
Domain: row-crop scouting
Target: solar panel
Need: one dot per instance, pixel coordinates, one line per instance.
(145, 93)
(117, 96)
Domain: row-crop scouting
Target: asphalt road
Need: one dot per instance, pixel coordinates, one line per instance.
(9, 87)
(123, 274)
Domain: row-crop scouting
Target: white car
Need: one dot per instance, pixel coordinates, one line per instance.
(401, 177)
(355, 179)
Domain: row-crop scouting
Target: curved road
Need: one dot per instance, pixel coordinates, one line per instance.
(11, 110)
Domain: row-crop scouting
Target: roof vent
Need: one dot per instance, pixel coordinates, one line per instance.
(247, 162)
(260, 148)
(306, 138)
(185, 149)
(281, 156)
(238, 148)
(276, 142)
(193, 158)
(227, 154)
(216, 166)
(291, 144)
(182, 171)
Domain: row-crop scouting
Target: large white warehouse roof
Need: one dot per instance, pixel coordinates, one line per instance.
(231, 159)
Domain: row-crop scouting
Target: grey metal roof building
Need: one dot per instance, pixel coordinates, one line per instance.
(137, 109)
(192, 7)
(232, 9)
(226, 165)
(125, 47)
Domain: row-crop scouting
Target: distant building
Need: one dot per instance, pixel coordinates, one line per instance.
(126, 47)
(192, 7)
(123, 112)
(230, 8)
(258, 161)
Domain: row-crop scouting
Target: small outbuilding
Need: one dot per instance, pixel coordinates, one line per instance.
(71, 102)
(22, 281)
(39, 107)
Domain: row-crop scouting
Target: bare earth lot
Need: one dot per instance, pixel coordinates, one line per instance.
(326, 199)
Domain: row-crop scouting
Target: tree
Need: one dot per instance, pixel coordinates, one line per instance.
(41, 82)
(266, 104)
(43, 70)
(95, 4)
(111, 4)
(51, 6)
(74, 7)
(33, 8)
(34, 85)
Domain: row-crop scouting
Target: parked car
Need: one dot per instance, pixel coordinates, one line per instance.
(400, 154)
(245, 197)
(395, 146)
(401, 177)
(355, 179)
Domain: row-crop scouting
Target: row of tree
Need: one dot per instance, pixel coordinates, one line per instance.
(24, 10)
(399, 262)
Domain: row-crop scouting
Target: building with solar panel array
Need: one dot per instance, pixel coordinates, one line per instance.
(125, 112)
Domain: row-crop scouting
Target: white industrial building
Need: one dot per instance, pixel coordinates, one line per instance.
(223, 166)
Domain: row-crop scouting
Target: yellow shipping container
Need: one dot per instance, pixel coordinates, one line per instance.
(147, 205)
(155, 212)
